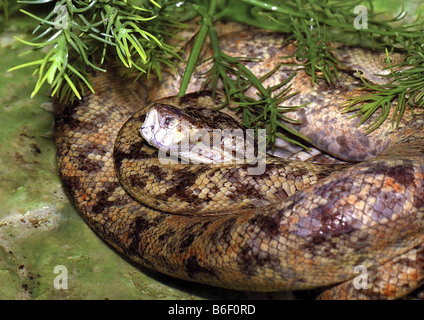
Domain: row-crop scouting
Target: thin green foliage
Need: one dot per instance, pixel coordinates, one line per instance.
(315, 23)
(312, 50)
(406, 89)
(267, 111)
(79, 34)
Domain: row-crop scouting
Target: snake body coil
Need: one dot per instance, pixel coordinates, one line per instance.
(368, 214)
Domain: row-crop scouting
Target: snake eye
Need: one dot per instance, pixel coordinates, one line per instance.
(167, 121)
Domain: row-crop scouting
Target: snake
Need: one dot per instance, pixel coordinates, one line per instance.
(298, 225)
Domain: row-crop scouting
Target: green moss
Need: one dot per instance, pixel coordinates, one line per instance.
(28, 161)
(39, 229)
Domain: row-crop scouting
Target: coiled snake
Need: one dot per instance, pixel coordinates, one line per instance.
(296, 226)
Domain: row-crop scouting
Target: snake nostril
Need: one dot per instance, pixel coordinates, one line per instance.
(148, 127)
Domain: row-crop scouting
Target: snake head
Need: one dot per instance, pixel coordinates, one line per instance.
(195, 134)
(164, 126)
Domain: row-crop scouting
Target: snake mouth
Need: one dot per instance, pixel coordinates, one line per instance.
(160, 138)
(156, 136)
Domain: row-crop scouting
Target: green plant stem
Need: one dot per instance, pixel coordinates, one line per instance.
(197, 46)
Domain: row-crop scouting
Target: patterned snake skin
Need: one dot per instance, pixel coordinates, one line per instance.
(300, 225)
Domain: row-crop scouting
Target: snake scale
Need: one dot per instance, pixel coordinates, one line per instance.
(311, 231)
